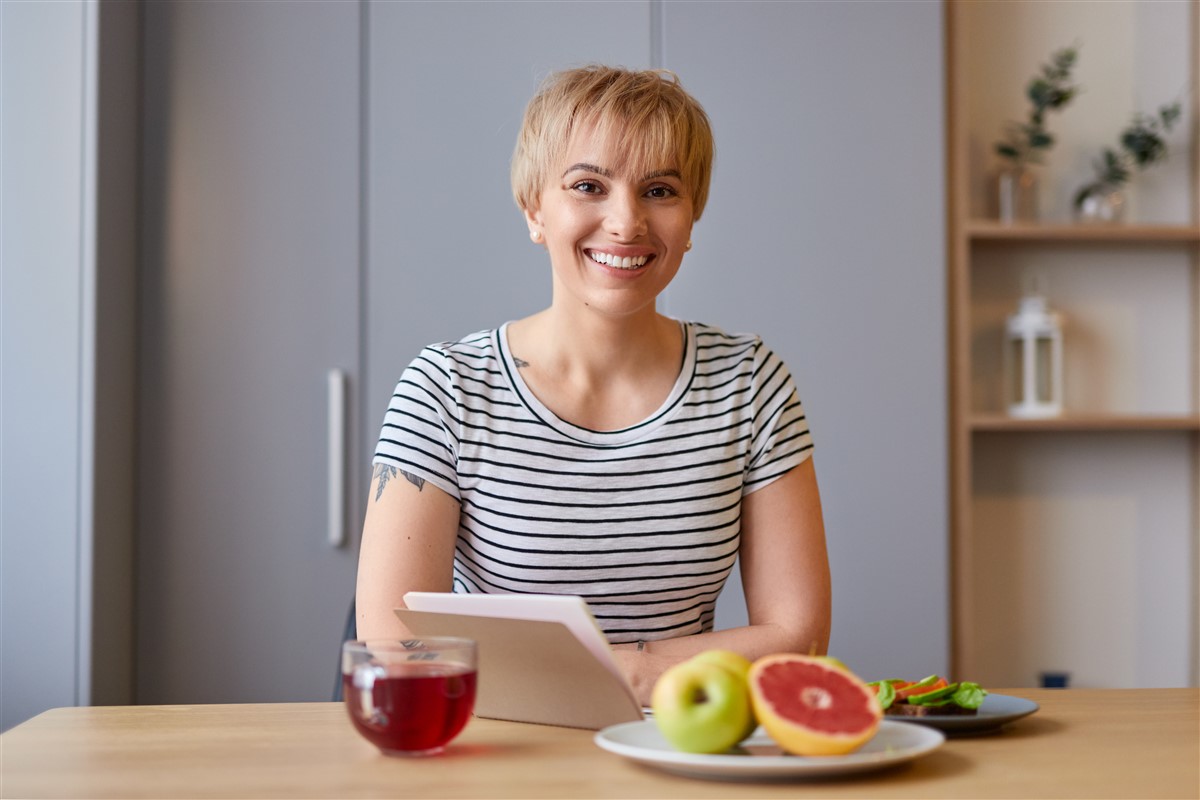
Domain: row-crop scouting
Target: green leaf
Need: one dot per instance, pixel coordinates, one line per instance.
(969, 695)
(1037, 91)
(1169, 115)
(1041, 140)
(885, 692)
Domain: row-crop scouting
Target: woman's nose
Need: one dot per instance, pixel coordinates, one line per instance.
(626, 219)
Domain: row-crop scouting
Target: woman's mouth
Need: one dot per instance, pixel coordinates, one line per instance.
(618, 262)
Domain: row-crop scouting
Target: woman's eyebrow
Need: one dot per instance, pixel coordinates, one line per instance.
(584, 167)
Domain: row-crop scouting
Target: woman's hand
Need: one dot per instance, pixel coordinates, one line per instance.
(642, 669)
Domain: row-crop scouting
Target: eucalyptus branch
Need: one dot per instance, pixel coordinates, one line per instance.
(1142, 144)
(1051, 90)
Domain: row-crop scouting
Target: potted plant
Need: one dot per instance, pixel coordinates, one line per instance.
(1141, 145)
(1024, 142)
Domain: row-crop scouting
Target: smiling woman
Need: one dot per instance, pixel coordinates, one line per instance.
(597, 447)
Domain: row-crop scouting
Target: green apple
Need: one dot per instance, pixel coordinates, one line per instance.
(736, 662)
(701, 707)
(739, 665)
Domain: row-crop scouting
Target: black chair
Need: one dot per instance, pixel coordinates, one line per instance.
(349, 632)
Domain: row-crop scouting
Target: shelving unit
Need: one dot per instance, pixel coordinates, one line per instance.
(977, 230)
(1073, 539)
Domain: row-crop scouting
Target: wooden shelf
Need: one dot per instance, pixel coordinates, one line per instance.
(991, 230)
(1086, 422)
(1022, 489)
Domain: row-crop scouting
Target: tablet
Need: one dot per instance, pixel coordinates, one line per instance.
(542, 658)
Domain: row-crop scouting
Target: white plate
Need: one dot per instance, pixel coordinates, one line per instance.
(759, 758)
(997, 710)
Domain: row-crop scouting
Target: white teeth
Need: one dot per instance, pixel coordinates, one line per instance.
(627, 262)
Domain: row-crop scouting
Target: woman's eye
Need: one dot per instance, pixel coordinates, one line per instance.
(661, 192)
(587, 187)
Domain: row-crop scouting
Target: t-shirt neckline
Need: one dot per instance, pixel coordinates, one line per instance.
(638, 430)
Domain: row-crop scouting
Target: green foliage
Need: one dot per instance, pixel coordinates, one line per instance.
(1051, 90)
(1142, 145)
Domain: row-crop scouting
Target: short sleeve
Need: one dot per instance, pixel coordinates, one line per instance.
(419, 433)
(781, 437)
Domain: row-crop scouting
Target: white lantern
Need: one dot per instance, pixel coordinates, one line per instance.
(1033, 360)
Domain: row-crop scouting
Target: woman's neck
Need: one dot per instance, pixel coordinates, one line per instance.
(598, 372)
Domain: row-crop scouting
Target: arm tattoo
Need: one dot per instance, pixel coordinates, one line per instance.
(520, 362)
(384, 473)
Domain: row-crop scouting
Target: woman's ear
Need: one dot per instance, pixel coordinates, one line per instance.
(533, 218)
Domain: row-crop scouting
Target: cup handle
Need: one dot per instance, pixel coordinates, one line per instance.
(363, 680)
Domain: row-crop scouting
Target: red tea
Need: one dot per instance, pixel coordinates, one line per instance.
(410, 707)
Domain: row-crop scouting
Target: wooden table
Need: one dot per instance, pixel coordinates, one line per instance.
(1082, 743)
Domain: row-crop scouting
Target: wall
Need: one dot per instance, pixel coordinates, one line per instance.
(42, 136)
(821, 238)
(818, 235)
(69, 313)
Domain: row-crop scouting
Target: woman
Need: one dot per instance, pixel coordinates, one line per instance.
(598, 447)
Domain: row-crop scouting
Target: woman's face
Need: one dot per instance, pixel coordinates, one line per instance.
(615, 239)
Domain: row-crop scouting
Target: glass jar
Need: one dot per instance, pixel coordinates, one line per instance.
(1103, 204)
(1016, 194)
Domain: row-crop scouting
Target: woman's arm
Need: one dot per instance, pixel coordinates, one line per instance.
(407, 545)
(785, 576)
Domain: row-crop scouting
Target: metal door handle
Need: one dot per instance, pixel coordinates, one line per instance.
(336, 524)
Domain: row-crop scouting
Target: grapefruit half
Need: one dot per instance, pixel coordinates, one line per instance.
(812, 708)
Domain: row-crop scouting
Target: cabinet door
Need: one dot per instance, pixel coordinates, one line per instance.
(250, 295)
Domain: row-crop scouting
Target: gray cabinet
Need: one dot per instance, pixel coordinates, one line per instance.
(250, 295)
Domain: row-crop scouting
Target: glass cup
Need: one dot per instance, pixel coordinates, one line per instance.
(410, 698)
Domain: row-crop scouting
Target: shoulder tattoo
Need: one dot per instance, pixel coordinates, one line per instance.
(384, 473)
(520, 362)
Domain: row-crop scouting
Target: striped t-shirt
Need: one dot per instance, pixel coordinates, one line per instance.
(642, 522)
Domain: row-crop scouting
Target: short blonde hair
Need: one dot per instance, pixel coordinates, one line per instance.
(648, 112)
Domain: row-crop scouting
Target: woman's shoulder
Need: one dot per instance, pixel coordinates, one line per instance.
(712, 337)
(474, 353)
(478, 348)
(479, 342)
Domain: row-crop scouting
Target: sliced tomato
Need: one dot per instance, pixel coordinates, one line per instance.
(903, 693)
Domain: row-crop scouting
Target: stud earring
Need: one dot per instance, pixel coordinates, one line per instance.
(687, 246)
(535, 236)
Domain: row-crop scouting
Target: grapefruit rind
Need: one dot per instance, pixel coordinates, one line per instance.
(792, 734)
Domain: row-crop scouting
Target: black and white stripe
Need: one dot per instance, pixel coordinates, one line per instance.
(642, 522)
